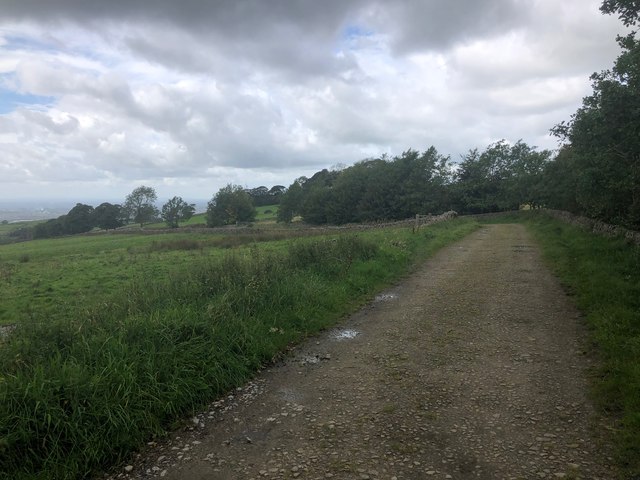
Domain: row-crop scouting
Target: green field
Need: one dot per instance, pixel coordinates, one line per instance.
(49, 277)
(118, 336)
(266, 214)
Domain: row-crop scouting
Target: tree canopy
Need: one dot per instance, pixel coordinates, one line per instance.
(373, 189)
(80, 219)
(177, 210)
(603, 137)
(140, 205)
(108, 216)
(231, 204)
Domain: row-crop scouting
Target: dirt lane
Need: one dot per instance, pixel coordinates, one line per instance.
(473, 367)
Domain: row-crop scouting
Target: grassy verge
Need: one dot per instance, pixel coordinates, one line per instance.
(82, 392)
(603, 274)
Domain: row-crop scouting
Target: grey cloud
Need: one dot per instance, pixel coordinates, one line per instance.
(290, 35)
(295, 37)
(439, 25)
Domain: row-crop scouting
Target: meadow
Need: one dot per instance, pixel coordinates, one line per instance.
(54, 275)
(119, 336)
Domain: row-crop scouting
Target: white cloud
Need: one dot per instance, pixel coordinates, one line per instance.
(188, 96)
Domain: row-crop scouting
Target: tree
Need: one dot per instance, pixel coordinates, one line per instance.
(603, 133)
(481, 180)
(108, 216)
(290, 202)
(51, 228)
(259, 196)
(502, 177)
(559, 182)
(374, 189)
(276, 192)
(628, 10)
(79, 219)
(140, 205)
(316, 196)
(177, 210)
(230, 205)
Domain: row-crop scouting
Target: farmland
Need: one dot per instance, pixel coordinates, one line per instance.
(115, 331)
(161, 323)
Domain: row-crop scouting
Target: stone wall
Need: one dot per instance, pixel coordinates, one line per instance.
(595, 226)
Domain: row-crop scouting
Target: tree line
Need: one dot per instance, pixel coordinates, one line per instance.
(595, 172)
(502, 177)
(232, 204)
(138, 207)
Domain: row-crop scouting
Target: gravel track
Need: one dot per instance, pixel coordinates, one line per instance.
(472, 368)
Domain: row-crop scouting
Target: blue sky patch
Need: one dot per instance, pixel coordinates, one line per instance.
(15, 42)
(9, 101)
(355, 31)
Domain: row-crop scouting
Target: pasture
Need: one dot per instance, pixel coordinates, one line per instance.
(120, 335)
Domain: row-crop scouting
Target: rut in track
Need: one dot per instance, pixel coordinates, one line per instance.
(472, 367)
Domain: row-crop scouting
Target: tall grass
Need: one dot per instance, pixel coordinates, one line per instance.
(603, 275)
(82, 393)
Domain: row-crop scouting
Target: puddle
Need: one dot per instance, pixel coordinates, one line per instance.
(314, 358)
(385, 297)
(345, 334)
(310, 360)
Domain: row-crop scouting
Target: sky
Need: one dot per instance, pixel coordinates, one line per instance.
(99, 97)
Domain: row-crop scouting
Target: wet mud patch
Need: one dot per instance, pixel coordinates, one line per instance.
(386, 297)
(314, 358)
(344, 334)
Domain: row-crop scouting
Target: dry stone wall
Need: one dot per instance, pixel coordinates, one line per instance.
(595, 226)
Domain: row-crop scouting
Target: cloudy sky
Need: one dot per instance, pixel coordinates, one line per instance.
(98, 97)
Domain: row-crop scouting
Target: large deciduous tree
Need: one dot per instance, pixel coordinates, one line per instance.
(79, 219)
(604, 134)
(108, 216)
(231, 204)
(177, 210)
(140, 205)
